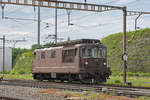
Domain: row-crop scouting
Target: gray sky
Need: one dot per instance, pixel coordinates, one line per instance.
(86, 24)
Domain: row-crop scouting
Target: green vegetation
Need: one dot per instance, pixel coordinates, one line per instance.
(23, 64)
(143, 98)
(22, 60)
(17, 76)
(16, 53)
(138, 49)
(135, 80)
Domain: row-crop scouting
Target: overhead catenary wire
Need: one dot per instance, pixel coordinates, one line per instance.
(27, 19)
(15, 19)
(62, 22)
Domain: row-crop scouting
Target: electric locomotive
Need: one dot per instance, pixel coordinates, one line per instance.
(83, 60)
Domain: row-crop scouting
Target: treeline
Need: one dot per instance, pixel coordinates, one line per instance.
(17, 52)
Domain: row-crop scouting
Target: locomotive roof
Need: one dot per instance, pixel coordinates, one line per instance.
(73, 42)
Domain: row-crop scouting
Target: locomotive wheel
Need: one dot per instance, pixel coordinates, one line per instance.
(84, 80)
(38, 77)
(41, 78)
(70, 79)
(62, 81)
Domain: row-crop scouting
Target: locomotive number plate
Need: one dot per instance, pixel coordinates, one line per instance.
(53, 75)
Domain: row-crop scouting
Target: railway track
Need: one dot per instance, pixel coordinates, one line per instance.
(4, 98)
(129, 91)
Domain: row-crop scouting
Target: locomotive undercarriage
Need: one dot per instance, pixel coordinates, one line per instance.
(94, 78)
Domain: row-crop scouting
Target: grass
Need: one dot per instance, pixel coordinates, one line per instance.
(136, 80)
(143, 98)
(17, 76)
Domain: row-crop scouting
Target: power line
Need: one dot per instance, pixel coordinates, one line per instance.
(14, 41)
(27, 19)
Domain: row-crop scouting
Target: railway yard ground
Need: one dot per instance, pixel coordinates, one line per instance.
(20, 89)
(26, 93)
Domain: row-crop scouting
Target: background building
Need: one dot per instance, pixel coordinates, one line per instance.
(8, 58)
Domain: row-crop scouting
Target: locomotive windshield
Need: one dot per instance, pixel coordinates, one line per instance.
(93, 52)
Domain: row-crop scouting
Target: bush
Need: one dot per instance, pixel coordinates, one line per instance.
(7, 72)
(21, 71)
(117, 81)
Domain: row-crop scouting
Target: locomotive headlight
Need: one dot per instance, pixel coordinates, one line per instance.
(86, 63)
(104, 63)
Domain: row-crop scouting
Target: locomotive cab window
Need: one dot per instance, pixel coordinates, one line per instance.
(42, 55)
(68, 56)
(93, 52)
(104, 52)
(53, 54)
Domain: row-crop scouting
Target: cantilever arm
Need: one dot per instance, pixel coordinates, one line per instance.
(136, 20)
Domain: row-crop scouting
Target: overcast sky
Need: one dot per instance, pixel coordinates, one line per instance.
(93, 25)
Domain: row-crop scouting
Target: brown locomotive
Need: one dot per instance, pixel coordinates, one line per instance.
(82, 60)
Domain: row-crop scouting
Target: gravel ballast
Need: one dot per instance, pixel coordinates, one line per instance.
(27, 93)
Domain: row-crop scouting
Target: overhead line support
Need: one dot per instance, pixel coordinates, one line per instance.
(39, 2)
(56, 23)
(136, 20)
(124, 44)
(132, 13)
(63, 5)
(139, 13)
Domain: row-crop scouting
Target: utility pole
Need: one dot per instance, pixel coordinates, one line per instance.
(68, 12)
(124, 45)
(39, 24)
(3, 56)
(56, 23)
(2, 5)
(69, 19)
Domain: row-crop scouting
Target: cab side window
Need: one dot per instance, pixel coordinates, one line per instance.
(53, 54)
(68, 56)
(43, 55)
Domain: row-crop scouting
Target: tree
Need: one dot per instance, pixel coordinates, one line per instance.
(68, 39)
